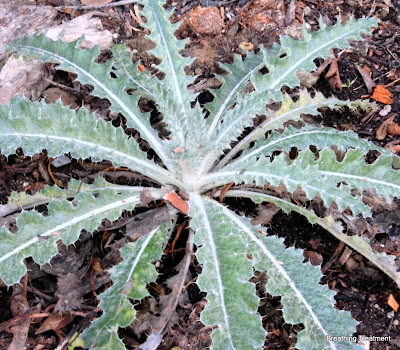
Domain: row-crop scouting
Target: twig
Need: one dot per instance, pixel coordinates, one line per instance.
(262, 8)
(371, 12)
(111, 4)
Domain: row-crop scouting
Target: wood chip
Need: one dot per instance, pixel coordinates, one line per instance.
(393, 303)
(393, 129)
(382, 95)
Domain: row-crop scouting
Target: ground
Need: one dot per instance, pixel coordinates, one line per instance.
(215, 34)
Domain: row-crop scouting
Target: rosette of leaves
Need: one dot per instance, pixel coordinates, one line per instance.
(206, 149)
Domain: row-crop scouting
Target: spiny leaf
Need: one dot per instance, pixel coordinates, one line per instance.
(124, 68)
(300, 173)
(238, 74)
(304, 300)
(22, 200)
(36, 126)
(289, 110)
(82, 62)
(38, 234)
(320, 137)
(172, 94)
(232, 303)
(129, 278)
(300, 54)
(354, 171)
(381, 260)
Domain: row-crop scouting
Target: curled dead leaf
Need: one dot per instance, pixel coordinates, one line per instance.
(382, 131)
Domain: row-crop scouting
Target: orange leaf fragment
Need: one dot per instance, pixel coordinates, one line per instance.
(382, 95)
(141, 68)
(393, 303)
(177, 202)
(224, 190)
(178, 150)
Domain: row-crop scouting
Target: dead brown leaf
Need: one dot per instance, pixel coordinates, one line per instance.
(53, 94)
(393, 146)
(67, 299)
(224, 190)
(290, 13)
(382, 132)
(23, 77)
(265, 215)
(314, 257)
(332, 76)
(86, 24)
(55, 323)
(145, 197)
(369, 83)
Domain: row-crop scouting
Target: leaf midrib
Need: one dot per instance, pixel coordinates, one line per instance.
(140, 126)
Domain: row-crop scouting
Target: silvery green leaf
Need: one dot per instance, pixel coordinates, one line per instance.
(129, 283)
(82, 62)
(231, 300)
(35, 126)
(304, 299)
(383, 261)
(38, 235)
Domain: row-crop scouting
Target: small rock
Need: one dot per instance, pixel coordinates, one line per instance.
(206, 21)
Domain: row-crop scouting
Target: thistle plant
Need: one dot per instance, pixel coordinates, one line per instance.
(207, 147)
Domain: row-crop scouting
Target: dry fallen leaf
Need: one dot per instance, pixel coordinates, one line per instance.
(382, 95)
(393, 303)
(55, 322)
(290, 13)
(393, 146)
(381, 133)
(369, 83)
(314, 257)
(53, 94)
(332, 76)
